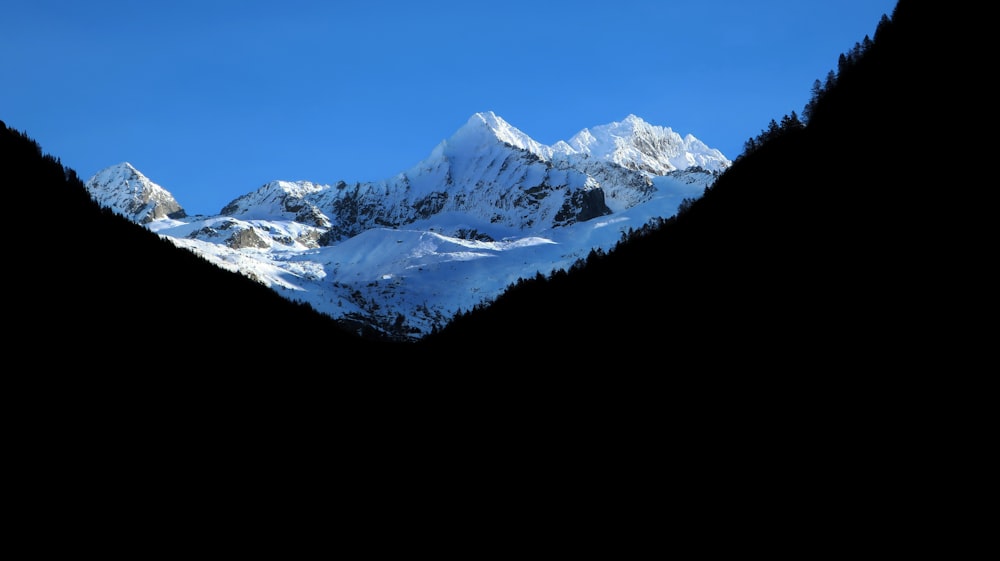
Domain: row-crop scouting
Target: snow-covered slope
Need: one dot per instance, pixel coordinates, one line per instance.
(402, 256)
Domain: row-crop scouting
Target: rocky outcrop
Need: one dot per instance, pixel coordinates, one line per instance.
(246, 238)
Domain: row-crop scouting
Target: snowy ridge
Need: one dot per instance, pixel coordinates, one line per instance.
(494, 171)
(635, 144)
(402, 256)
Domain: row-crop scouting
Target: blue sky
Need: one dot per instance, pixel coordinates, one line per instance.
(211, 99)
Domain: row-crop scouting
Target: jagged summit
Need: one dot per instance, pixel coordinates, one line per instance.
(632, 143)
(486, 128)
(125, 167)
(126, 191)
(508, 133)
(635, 144)
(123, 171)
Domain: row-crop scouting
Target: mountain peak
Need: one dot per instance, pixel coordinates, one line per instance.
(630, 126)
(636, 144)
(632, 143)
(128, 192)
(122, 173)
(487, 125)
(123, 168)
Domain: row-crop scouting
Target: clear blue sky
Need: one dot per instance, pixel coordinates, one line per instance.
(213, 98)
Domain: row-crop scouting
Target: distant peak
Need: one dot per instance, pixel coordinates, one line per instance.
(632, 143)
(124, 166)
(487, 117)
(495, 128)
(126, 190)
(124, 169)
(630, 124)
(493, 123)
(637, 144)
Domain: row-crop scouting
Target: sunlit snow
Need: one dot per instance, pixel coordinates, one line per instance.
(424, 270)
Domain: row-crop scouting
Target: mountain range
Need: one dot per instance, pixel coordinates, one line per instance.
(838, 244)
(399, 258)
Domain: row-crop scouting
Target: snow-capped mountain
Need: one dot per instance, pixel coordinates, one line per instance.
(129, 193)
(402, 256)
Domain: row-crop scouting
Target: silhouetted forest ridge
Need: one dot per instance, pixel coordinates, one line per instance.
(800, 249)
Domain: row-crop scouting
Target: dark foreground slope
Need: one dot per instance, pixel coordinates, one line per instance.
(825, 247)
(90, 291)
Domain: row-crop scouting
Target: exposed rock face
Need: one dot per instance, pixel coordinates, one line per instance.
(152, 209)
(246, 238)
(309, 238)
(586, 204)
